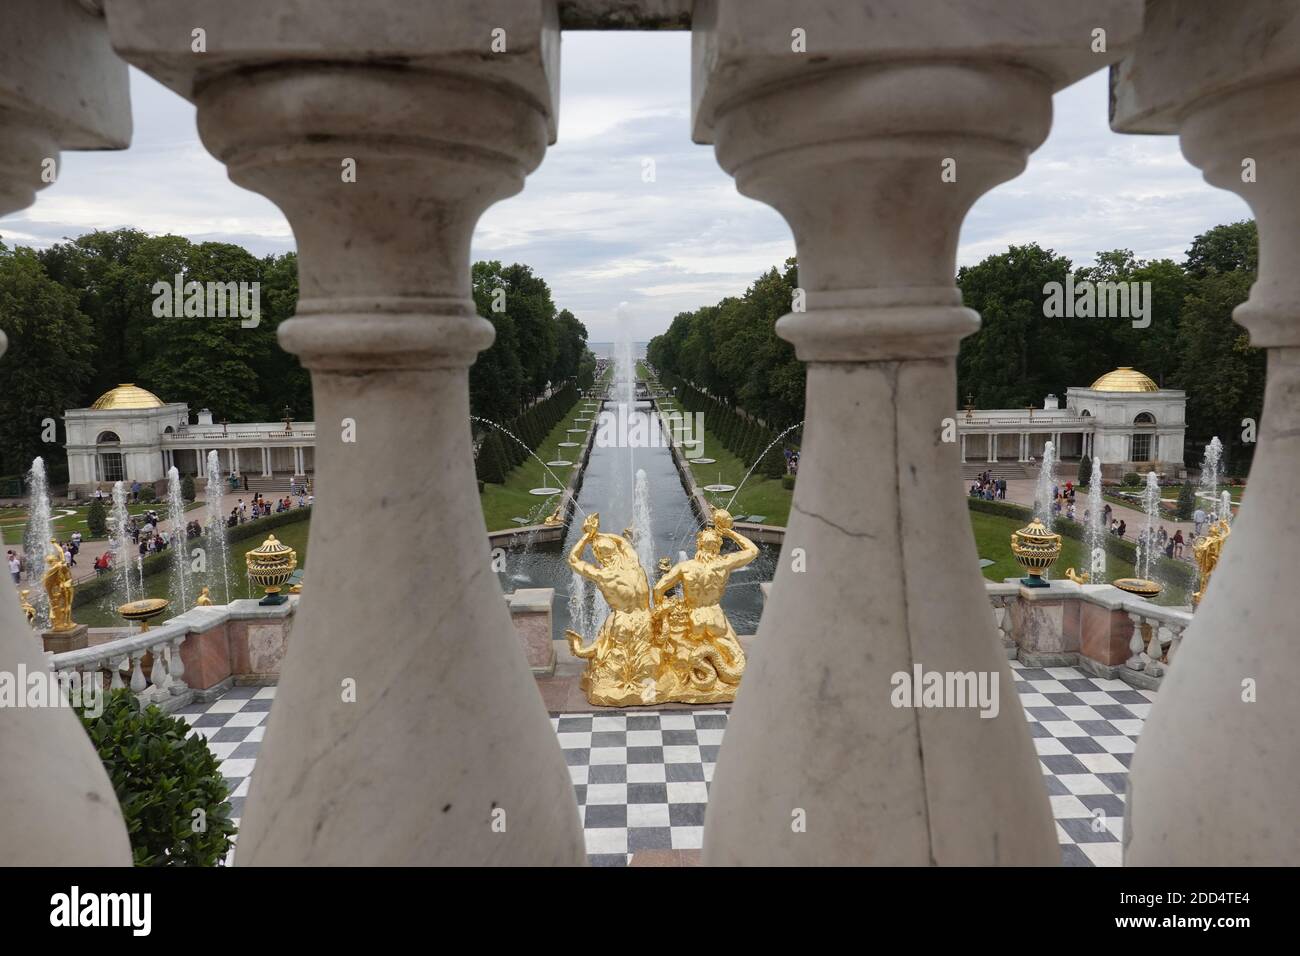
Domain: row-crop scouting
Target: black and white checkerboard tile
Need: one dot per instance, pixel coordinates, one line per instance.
(642, 779)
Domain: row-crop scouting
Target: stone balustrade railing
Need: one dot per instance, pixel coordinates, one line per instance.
(1097, 628)
(105, 663)
(850, 132)
(197, 654)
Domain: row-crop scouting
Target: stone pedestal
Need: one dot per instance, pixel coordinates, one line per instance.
(1045, 624)
(73, 639)
(530, 613)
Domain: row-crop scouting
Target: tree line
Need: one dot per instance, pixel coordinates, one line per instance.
(1019, 356)
(743, 436)
(80, 319)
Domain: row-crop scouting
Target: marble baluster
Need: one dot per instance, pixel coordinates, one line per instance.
(873, 145)
(407, 727)
(1216, 770)
(61, 87)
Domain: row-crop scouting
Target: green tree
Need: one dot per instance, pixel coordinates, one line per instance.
(187, 488)
(1186, 501)
(47, 364)
(97, 519)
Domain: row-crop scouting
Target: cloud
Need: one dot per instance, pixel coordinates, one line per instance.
(591, 224)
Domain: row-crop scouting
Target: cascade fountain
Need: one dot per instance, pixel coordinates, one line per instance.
(1097, 530)
(216, 527)
(36, 538)
(1043, 499)
(180, 564)
(1211, 468)
(642, 539)
(1147, 549)
(124, 585)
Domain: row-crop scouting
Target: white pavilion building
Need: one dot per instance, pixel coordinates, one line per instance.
(1124, 418)
(130, 434)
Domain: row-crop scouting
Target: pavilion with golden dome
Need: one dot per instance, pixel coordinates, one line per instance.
(130, 434)
(1124, 418)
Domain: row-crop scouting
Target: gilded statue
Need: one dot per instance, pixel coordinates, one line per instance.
(682, 648)
(57, 582)
(703, 660)
(205, 598)
(28, 608)
(1206, 551)
(622, 662)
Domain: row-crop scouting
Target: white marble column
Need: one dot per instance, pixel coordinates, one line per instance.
(407, 727)
(61, 87)
(963, 449)
(1217, 769)
(266, 462)
(993, 448)
(850, 142)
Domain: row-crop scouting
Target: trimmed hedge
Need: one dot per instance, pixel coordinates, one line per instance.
(100, 585)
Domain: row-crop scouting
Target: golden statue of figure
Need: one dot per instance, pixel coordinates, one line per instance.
(702, 659)
(683, 649)
(1206, 551)
(57, 582)
(622, 662)
(205, 598)
(28, 609)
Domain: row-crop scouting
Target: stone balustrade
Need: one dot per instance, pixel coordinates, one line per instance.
(1097, 628)
(850, 139)
(195, 655)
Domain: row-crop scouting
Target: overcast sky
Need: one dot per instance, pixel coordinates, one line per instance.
(601, 236)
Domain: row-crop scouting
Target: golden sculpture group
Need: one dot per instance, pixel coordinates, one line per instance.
(680, 647)
(1206, 552)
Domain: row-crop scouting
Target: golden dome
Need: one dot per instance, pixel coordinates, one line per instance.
(1125, 379)
(126, 396)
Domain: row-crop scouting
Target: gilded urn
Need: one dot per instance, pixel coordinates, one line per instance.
(1036, 549)
(270, 566)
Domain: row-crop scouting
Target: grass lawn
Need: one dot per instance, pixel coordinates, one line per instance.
(758, 496)
(294, 535)
(993, 541)
(13, 521)
(502, 503)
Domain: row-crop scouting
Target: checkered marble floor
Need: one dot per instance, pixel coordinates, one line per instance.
(642, 779)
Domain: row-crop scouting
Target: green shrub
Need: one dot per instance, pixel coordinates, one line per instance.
(187, 488)
(149, 496)
(170, 788)
(1186, 506)
(97, 519)
(1085, 471)
(773, 464)
(1132, 479)
(787, 482)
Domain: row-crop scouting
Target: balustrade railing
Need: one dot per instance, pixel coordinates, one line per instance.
(151, 660)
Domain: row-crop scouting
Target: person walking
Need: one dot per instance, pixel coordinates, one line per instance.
(15, 568)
